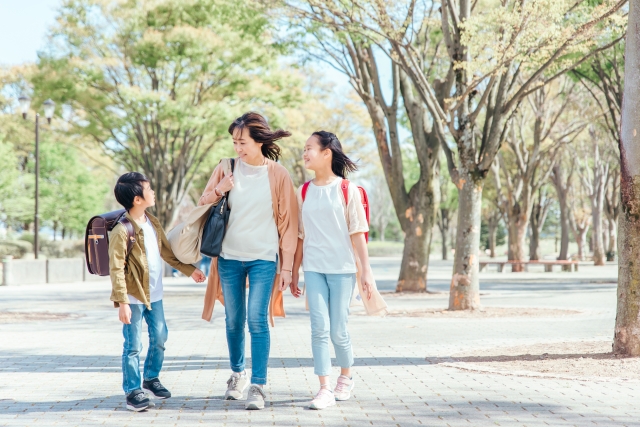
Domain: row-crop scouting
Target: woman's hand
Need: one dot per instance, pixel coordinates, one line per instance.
(295, 290)
(226, 184)
(285, 280)
(367, 283)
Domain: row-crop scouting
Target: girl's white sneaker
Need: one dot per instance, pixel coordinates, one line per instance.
(323, 399)
(344, 387)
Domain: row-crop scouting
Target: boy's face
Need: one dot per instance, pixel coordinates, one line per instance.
(149, 197)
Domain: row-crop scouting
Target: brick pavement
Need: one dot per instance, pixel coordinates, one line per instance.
(68, 372)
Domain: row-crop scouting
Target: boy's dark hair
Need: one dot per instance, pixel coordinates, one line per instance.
(341, 165)
(128, 187)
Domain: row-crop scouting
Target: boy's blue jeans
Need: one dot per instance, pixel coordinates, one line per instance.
(158, 333)
(329, 296)
(233, 277)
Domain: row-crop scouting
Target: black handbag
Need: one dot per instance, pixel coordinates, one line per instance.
(216, 226)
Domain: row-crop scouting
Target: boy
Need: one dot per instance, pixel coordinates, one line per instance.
(136, 282)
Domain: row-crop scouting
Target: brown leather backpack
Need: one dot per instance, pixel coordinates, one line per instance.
(96, 240)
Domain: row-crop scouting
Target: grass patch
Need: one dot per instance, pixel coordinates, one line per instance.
(377, 248)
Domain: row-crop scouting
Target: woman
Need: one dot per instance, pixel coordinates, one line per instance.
(329, 232)
(259, 243)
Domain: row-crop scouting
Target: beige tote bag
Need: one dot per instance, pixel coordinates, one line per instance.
(185, 238)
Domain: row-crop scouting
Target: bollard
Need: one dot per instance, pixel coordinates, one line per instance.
(6, 270)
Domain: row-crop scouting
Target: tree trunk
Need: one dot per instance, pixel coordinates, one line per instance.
(627, 330)
(465, 285)
(613, 244)
(561, 184)
(493, 230)
(445, 256)
(55, 230)
(517, 233)
(443, 226)
(415, 255)
(581, 237)
(598, 244)
(534, 243)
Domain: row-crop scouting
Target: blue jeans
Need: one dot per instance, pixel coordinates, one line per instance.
(158, 334)
(233, 277)
(329, 296)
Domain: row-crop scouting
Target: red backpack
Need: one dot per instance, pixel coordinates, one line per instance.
(345, 192)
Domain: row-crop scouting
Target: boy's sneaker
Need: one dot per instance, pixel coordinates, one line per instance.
(323, 399)
(236, 384)
(137, 401)
(343, 388)
(255, 398)
(155, 387)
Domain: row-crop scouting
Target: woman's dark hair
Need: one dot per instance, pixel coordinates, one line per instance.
(128, 187)
(341, 165)
(261, 133)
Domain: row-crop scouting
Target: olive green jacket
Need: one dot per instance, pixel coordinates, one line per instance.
(131, 277)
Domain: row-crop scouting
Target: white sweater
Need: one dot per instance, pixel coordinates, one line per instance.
(251, 216)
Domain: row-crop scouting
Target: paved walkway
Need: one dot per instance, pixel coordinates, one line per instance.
(67, 372)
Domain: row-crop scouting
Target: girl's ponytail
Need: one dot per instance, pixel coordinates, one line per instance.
(341, 165)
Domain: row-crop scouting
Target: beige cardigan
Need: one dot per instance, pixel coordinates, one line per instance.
(285, 212)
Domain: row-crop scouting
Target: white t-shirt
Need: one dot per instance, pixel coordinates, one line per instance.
(154, 261)
(326, 230)
(252, 233)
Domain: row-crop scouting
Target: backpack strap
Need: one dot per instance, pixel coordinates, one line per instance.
(305, 187)
(130, 233)
(345, 191)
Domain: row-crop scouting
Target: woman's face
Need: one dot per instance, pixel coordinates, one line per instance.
(314, 156)
(247, 148)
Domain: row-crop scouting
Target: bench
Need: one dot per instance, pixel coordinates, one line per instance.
(548, 264)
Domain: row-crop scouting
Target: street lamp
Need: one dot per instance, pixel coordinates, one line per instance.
(49, 108)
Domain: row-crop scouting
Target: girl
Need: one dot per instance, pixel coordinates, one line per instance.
(329, 233)
(259, 243)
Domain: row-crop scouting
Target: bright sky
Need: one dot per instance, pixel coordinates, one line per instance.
(23, 25)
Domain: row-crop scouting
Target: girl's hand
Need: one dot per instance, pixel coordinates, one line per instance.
(285, 280)
(367, 283)
(295, 290)
(226, 184)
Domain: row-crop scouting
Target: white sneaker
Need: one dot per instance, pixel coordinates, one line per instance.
(323, 399)
(236, 384)
(255, 398)
(344, 387)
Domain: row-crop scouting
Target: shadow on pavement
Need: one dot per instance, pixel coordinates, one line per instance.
(82, 364)
(519, 357)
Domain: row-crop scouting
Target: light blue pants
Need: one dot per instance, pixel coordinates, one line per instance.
(329, 296)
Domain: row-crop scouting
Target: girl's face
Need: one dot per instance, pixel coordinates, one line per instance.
(314, 156)
(247, 148)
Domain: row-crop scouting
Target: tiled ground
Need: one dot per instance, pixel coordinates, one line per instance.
(68, 372)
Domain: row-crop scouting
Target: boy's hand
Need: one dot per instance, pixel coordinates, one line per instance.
(124, 314)
(198, 276)
(295, 290)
